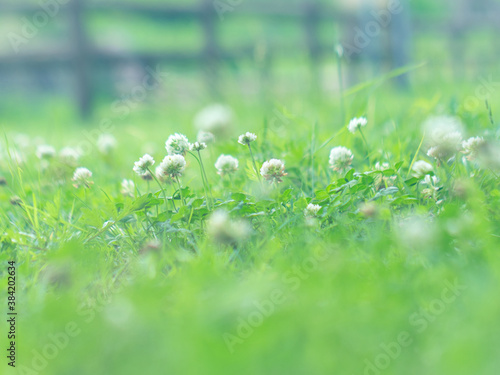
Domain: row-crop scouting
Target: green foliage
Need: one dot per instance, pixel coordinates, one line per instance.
(151, 290)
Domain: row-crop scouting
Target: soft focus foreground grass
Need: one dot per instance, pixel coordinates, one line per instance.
(346, 288)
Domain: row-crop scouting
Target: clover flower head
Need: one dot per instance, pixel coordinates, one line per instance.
(340, 158)
(226, 164)
(82, 177)
(472, 146)
(312, 210)
(142, 166)
(106, 143)
(449, 145)
(421, 168)
(222, 229)
(128, 188)
(205, 137)
(216, 118)
(356, 124)
(69, 155)
(247, 138)
(273, 170)
(177, 144)
(198, 146)
(444, 135)
(172, 165)
(44, 152)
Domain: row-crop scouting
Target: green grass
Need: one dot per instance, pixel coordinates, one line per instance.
(126, 286)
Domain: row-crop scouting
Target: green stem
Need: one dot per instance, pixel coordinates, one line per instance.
(341, 89)
(366, 145)
(206, 178)
(161, 187)
(180, 191)
(173, 200)
(203, 177)
(254, 164)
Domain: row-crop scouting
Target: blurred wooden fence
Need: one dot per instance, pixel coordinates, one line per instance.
(82, 57)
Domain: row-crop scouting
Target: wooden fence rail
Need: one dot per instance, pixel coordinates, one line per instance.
(83, 57)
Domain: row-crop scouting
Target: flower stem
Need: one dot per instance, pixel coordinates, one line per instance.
(366, 145)
(254, 164)
(180, 191)
(161, 187)
(341, 89)
(206, 186)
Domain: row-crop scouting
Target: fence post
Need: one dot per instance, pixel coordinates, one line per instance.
(401, 38)
(311, 22)
(211, 49)
(81, 59)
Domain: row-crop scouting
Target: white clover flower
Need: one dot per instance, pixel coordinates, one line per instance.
(177, 144)
(312, 210)
(421, 168)
(106, 143)
(247, 138)
(356, 124)
(82, 177)
(173, 166)
(45, 152)
(128, 188)
(449, 145)
(69, 155)
(341, 158)
(142, 166)
(216, 119)
(205, 137)
(273, 170)
(472, 146)
(222, 229)
(226, 164)
(198, 146)
(444, 135)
